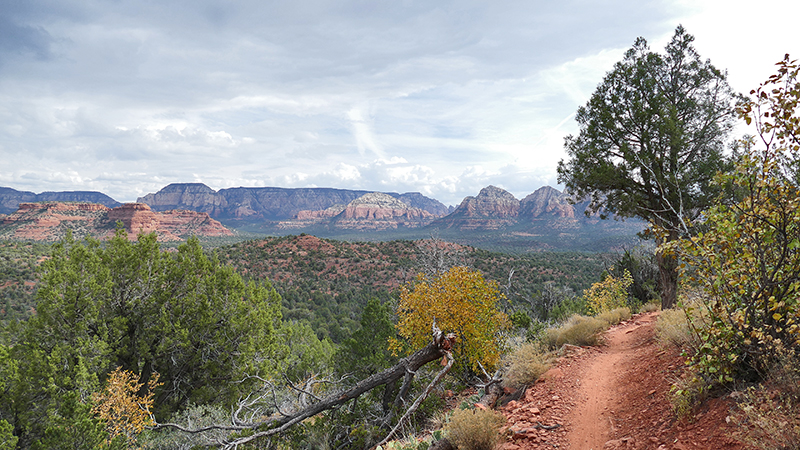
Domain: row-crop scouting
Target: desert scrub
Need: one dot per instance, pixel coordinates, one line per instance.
(680, 326)
(769, 414)
(650, 307)
(615, 316)
(525, 364)
(688, 392)
(609, 294)
(475, 429)
(577, 330)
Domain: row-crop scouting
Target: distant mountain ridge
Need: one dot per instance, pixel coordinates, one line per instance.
(268, 203)
(49, 221)
(11, 198)
(495, 218)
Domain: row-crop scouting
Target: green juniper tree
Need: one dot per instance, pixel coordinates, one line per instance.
(651, 140)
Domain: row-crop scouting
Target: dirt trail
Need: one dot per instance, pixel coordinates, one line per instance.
(615, 397)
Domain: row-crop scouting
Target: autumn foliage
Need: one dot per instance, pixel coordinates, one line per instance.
(609, 294)
(120, 405)
(460, 301)
(748, 258)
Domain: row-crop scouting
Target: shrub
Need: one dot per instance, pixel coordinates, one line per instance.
(650, 307)
(460, 301)
(769, 414)
(748, 257)
(525, 364)
(615, 316)
(475, 429)
(679, 327)
(578, 330)
(611, 293)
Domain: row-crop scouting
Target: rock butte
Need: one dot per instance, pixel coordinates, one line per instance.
(49, 221)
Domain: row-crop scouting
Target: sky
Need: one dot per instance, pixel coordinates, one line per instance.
(434, 96)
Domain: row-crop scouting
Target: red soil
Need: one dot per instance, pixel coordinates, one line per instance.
(616, 397)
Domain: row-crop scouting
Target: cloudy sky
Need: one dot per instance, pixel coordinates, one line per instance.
(440, 97)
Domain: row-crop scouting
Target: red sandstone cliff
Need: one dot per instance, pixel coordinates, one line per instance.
(49, 221)
(370, 212)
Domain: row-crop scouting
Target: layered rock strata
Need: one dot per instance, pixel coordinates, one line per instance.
(49, 221)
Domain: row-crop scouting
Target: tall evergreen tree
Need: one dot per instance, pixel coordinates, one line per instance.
(651, 140)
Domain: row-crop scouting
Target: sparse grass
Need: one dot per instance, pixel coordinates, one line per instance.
(475, 429)
(674, 326)
(650, 307)
(577, 330)
(615, 316)
(525, 364)
(769, 414)
(686, 393)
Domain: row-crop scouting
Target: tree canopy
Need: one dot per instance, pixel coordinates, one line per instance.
(131, 305)
(459, 300)
(651, 141)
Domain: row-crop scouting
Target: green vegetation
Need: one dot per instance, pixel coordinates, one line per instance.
(651, 141)
(475, 429)
(130, 305)
(743, 324)
(328, 283)
(18, 264)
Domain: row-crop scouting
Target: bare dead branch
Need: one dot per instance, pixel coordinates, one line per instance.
(277, 424)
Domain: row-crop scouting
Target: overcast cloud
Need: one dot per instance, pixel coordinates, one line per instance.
(439, 97)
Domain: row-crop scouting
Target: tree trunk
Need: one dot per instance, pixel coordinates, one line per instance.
(668, 275)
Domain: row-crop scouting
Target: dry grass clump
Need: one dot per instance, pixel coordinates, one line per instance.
(615, 316)
(650, 307)
(577, 330)
(525, 364)
(674, 326)
(475, 429)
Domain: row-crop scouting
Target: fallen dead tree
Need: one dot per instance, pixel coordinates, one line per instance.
(242, 431)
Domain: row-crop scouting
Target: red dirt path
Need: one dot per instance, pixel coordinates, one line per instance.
(615, 397)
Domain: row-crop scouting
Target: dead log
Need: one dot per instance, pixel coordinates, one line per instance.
(435, 351)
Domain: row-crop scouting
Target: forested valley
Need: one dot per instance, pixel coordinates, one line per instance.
(193, 332)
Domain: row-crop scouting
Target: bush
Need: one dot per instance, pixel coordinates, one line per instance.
(615, 316)
(679, 327)
(611, 293)
(525, 364)
(578, 330)
(650, 307)
(769, 414)
(475, 429)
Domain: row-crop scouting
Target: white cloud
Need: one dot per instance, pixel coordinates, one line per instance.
(441, 98)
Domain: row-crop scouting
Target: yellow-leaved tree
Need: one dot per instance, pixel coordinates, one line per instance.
(124, 410)
(611, 293)
(461, 301)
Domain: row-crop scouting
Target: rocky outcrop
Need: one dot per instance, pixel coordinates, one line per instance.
(186, 196)
(492, 209)
(546, 202)
(11, 198)
(373, 211)
(49, 221)
(254, 204)
(137, 218)
(376, 211)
